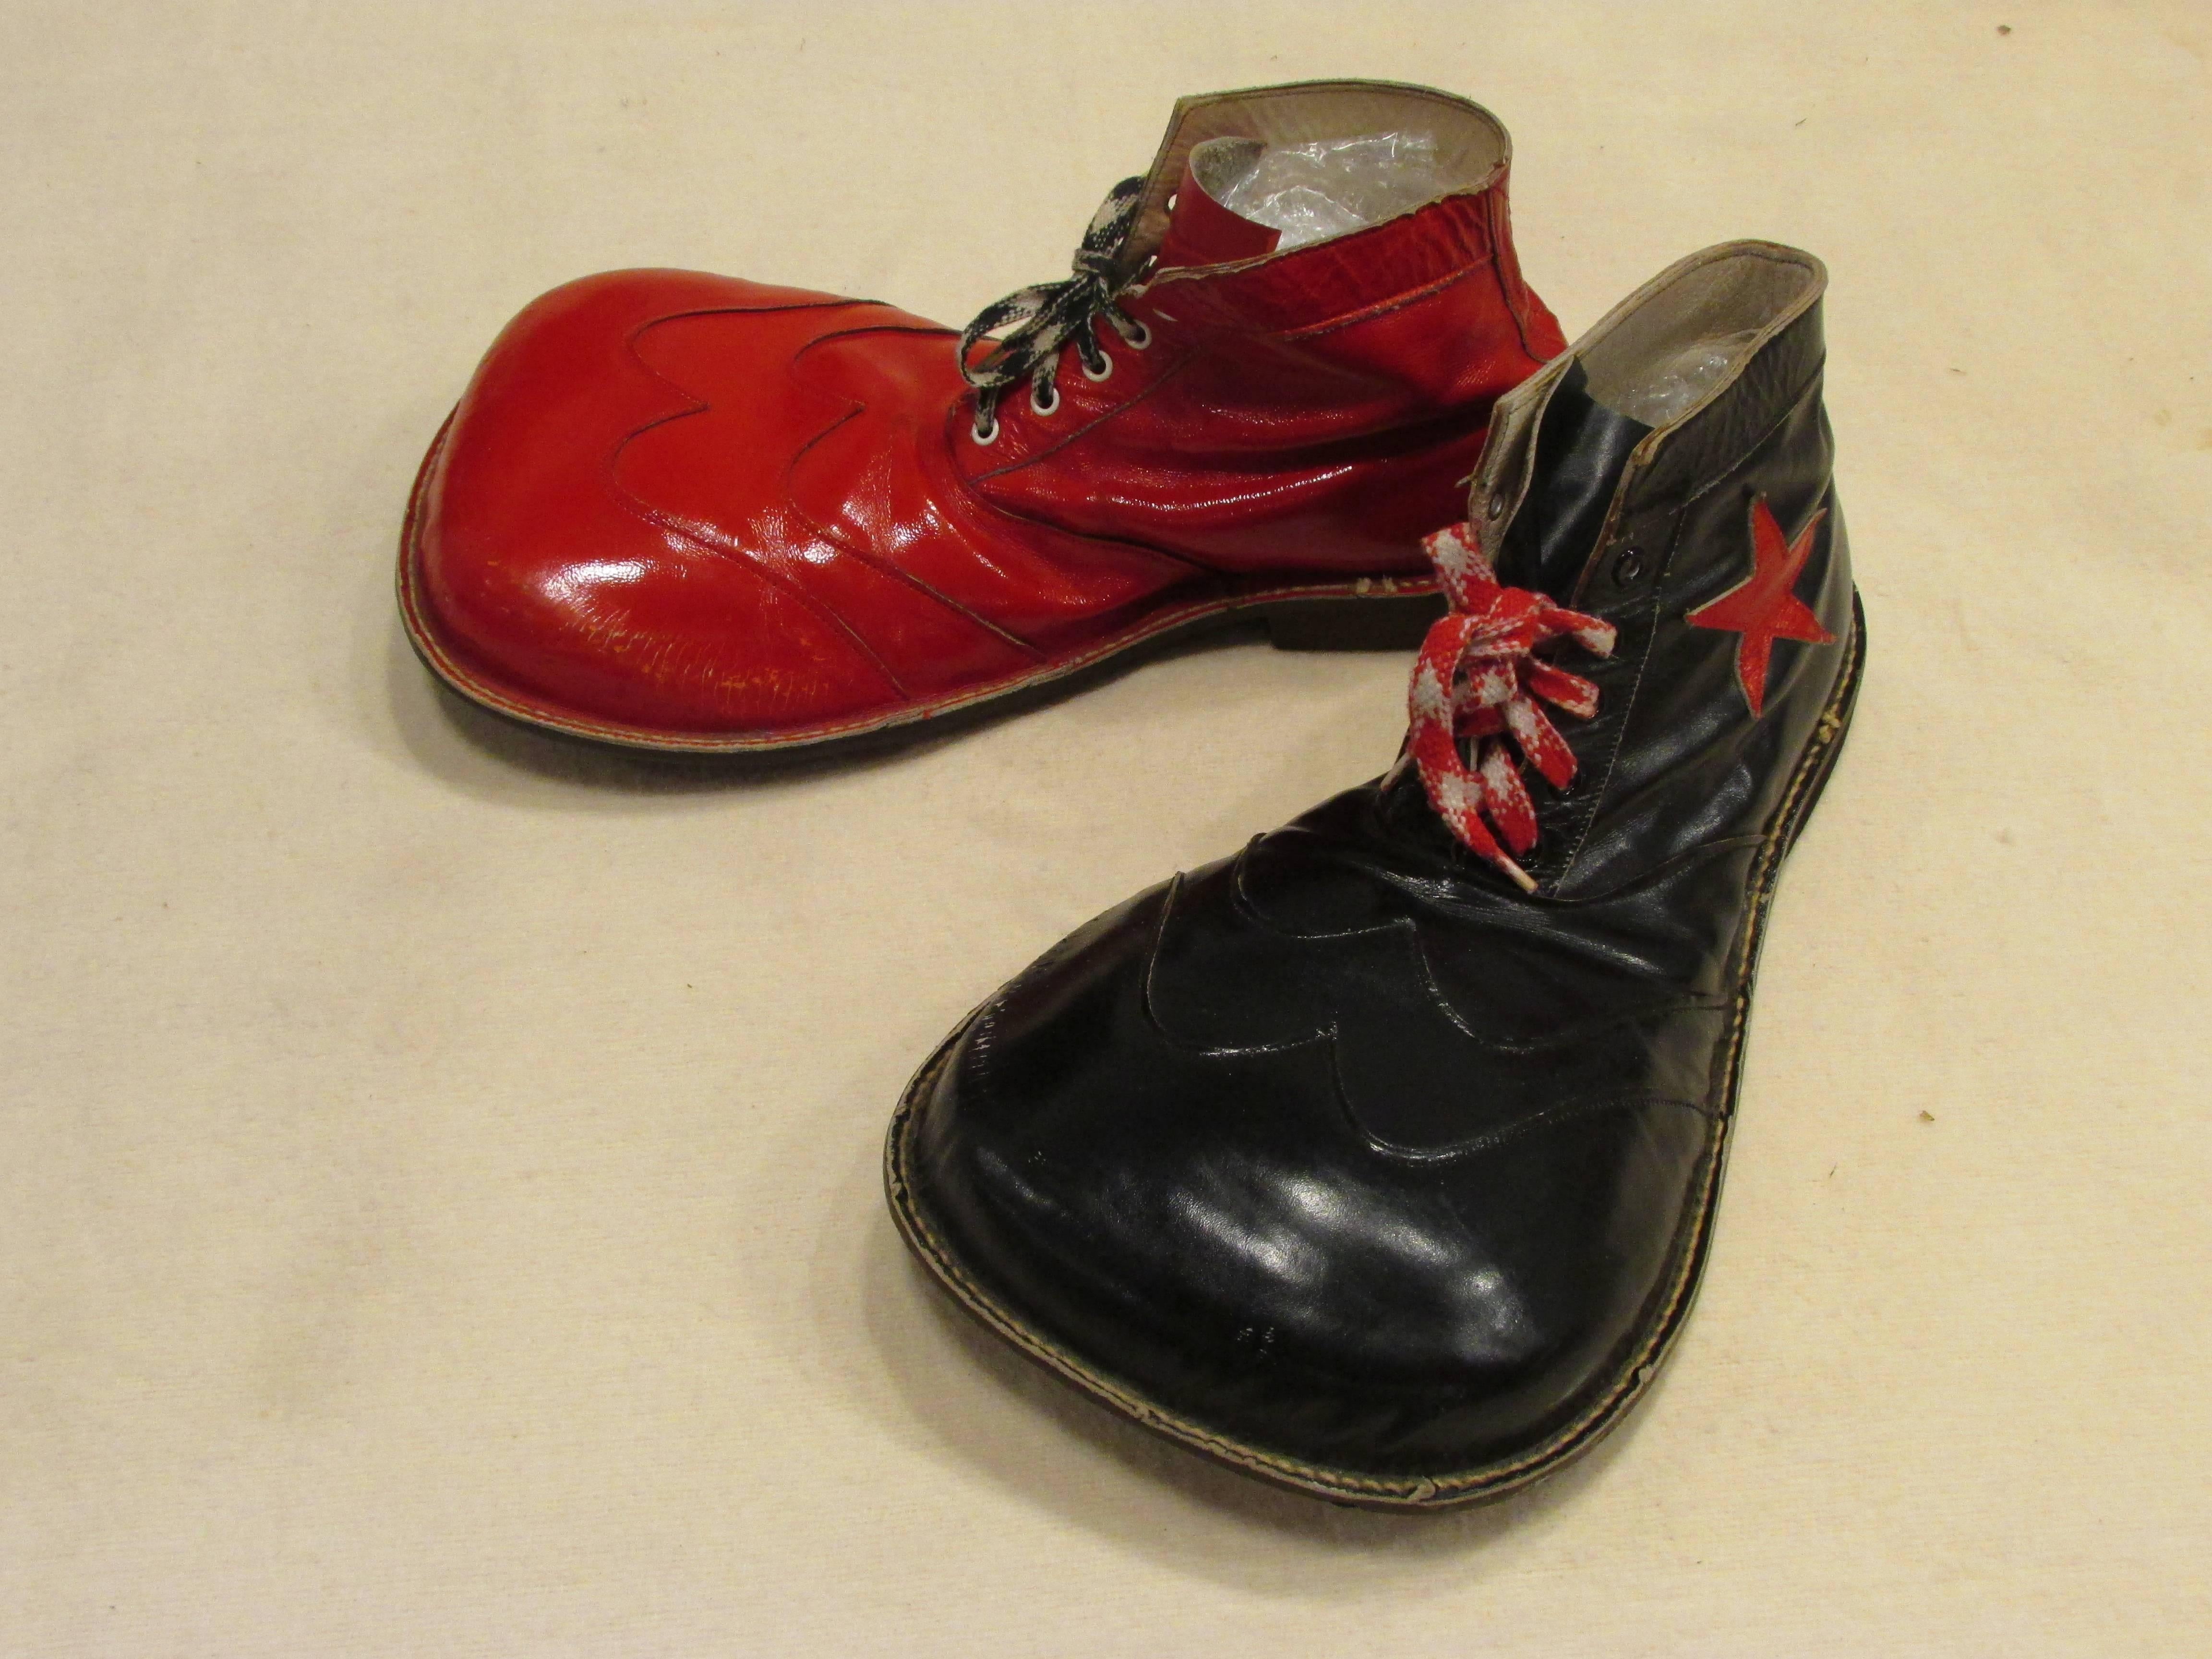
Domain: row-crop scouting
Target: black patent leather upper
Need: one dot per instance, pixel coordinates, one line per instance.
(1343, 1148)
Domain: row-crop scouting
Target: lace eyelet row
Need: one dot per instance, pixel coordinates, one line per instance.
(985, 432)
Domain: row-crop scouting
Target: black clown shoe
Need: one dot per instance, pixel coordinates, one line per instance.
(1379, 1160)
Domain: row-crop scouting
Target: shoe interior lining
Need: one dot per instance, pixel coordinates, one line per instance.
(1657, 362)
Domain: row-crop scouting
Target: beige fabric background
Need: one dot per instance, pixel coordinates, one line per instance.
(439, 1206)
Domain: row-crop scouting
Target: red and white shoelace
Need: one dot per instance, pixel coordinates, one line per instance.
(1477, 678)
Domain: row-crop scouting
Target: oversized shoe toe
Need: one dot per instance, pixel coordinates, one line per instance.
(547, 572)
(1206, 1243)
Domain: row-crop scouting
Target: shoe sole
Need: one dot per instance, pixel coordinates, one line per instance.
(1366, 614)
(1455, 1488)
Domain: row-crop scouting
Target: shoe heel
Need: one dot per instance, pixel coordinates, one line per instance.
(1355, 621)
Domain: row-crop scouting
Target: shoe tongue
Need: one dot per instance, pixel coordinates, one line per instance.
(1202, 232)
(1582, 449)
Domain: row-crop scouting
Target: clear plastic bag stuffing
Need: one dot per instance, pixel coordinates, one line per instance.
(1679, 381)
(1322, 189)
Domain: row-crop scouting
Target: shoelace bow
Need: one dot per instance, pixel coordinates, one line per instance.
(1049, 314)
(1478, 679)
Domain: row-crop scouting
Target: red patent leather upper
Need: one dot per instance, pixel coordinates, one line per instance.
(686, 508)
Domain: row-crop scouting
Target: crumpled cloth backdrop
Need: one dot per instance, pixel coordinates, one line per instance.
(439, 1206)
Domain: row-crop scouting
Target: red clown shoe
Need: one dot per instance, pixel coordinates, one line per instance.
(689, 512)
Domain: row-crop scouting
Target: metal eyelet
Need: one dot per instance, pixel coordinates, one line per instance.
(1142, 339)
(984, 436)
(1493, 506)
(1105, 374)
(1627, 566)
(1052, 408)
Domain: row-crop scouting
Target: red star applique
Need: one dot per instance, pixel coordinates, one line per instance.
(1764, 607)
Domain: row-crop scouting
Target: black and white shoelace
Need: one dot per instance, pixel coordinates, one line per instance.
(1046, 316)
